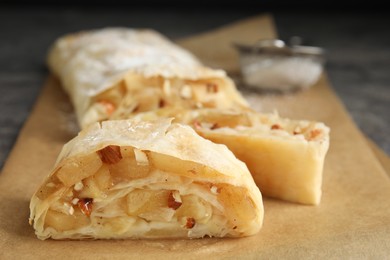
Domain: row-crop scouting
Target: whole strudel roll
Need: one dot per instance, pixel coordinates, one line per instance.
(115, 72)
(145, 179)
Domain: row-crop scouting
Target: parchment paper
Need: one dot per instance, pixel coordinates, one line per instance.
(383, 158)
(352, 221)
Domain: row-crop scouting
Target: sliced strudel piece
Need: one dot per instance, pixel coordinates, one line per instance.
(129, 179)
(285, 157)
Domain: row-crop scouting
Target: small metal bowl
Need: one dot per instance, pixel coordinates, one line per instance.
(272, 65)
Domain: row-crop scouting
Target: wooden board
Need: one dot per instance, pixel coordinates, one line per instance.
(353, 220)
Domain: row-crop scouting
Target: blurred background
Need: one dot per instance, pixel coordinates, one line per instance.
(355, 35)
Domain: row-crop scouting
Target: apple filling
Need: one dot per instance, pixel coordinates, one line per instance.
(139, 94)
(252, 123)
(133, 193)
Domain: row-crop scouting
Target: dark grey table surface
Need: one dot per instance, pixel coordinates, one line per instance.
(357, 44)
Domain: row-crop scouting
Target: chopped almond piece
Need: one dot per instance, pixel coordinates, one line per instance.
(161, 103)
(174, 201)
(78, 186)
(110, 107)
(136, 108)
(314, 133)
(198, 105)
(141, 157)
(190, 223)
(297, 130)
(212, 87)
(214, 189)
(75, 201)
(207, 125)
(276, 126)
(186, 92)
(197, 125)
(214, 126)
(85, 206)
(110, 154)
